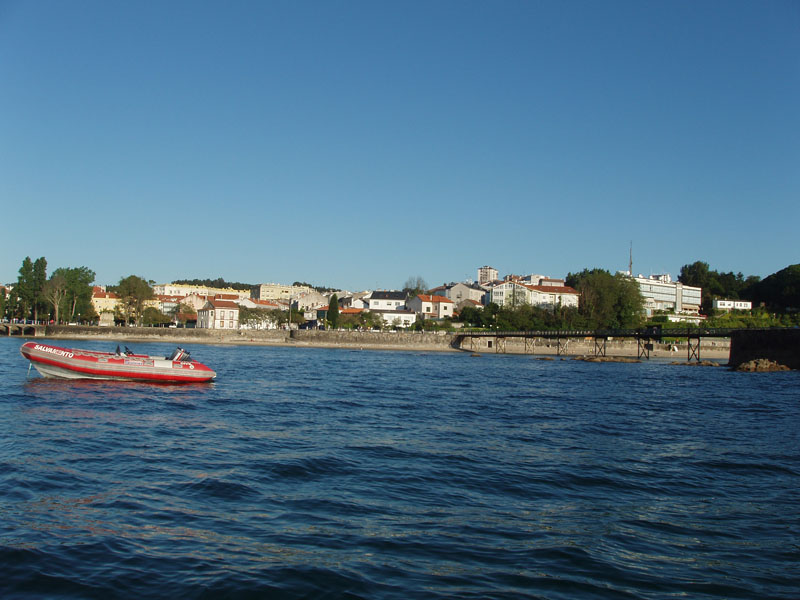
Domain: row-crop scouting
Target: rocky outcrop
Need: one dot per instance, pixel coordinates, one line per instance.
(761, 365)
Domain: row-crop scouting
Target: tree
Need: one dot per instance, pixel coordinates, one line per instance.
(779, 291)
(333, 312)
(23, 291)
(695, 274)
(608, 301)
(260, 318)
(152, 316)
(414, 286)
(37, 288)
(133, 292)
(79, 292)
(55, 290)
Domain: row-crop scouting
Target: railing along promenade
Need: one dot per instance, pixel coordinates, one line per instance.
(645, 338)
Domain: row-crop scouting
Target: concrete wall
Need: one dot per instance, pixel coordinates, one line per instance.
(779, 345)
(377, 339)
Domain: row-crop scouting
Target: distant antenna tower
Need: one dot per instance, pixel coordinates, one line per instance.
(630, 261)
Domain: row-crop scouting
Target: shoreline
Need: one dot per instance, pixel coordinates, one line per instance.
(714, 350)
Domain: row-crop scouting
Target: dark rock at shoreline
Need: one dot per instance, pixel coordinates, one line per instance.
(617, 359)
(761, 365)
(699, 363)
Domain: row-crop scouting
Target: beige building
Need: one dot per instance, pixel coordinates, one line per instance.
(218, 314)
(103, 301)
(276, 291)
(181, 289)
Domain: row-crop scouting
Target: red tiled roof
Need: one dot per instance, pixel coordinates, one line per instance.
(223, 304)
(556, 289)
(99, 294)
(429, 298)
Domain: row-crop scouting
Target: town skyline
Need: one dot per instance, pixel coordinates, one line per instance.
(360, 144)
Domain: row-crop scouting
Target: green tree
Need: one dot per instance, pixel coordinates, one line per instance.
(152, 316)
(608, 301)
(333, 312)
(414, 286)
(39, 279)
(78, 298)
(471, 316)
(23, 291)
(133, 291)
(780, 291)
(55, 291)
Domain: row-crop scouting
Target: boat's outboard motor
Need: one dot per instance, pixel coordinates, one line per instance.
(179, 354)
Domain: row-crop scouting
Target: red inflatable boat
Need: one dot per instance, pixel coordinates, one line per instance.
(69, 363)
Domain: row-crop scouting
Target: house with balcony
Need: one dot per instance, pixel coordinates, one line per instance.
(218, 314)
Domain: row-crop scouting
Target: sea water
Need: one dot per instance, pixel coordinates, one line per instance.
(324, 473)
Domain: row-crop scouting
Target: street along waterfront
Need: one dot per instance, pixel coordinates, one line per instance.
(304, 472)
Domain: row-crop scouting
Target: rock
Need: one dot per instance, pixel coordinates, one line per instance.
(761, 365)
(618, 359)
(701, 363)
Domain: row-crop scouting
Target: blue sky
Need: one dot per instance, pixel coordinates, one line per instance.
(357, 144)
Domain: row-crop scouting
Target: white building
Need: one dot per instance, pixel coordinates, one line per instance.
(729, 305)
(660, 293)
(431, 306)
(383, 300)
(397, 318)
(516, 293)
(218, 314)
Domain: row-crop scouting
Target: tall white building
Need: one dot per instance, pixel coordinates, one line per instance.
(660, 293)
(486, 275)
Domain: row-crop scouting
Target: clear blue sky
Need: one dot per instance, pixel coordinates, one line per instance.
(356, 144)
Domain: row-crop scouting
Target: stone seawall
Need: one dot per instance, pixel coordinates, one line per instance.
(779, 345)
(165, 334)
(375, 339)
(400, 340)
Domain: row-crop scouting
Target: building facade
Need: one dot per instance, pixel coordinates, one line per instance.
(277, 291)
(516, 293)
(181, 289)
(729, 305)
(487, 274)
(383, 300)
(431, 306)
(661, 294)
(218, 314)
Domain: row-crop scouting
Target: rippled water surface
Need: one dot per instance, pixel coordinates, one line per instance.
(313, 473)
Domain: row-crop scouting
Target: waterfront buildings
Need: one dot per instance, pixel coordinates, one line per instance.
(548, 293)
(182, 289)
(663, 295)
